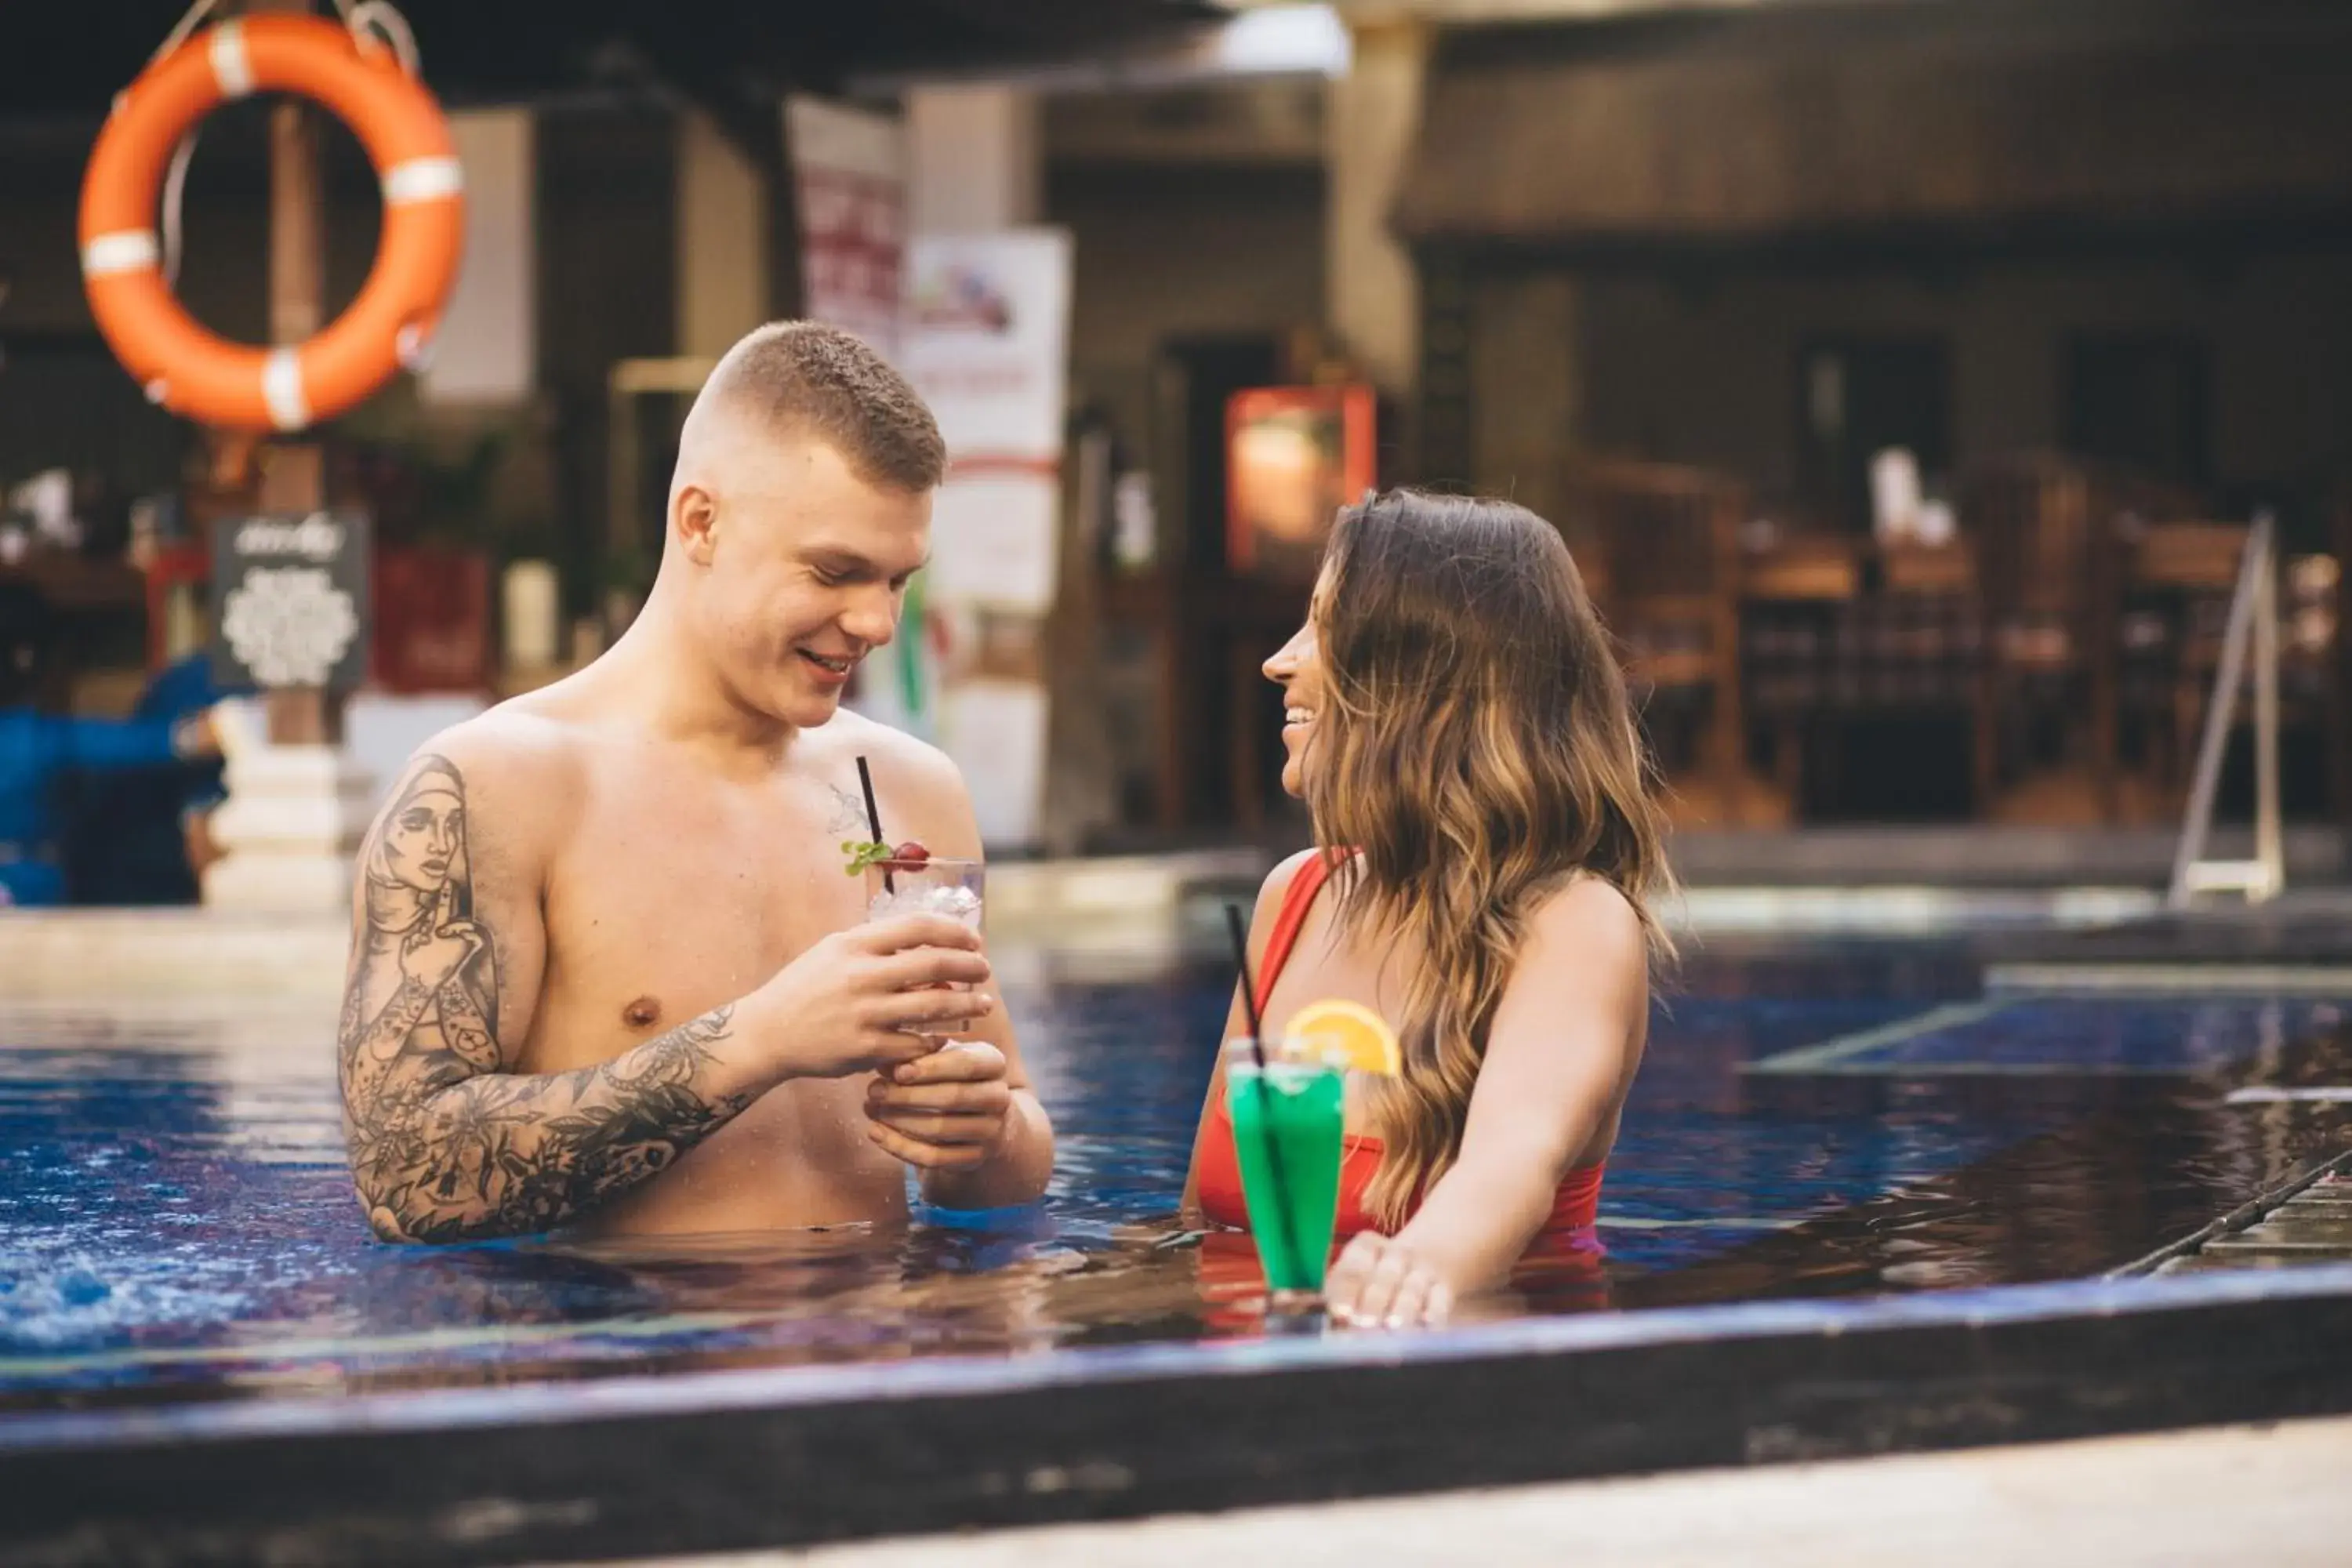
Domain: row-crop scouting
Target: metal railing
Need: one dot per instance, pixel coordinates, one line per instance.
(2254, 620)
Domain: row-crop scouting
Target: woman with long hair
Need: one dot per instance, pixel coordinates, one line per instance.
(1488, 846)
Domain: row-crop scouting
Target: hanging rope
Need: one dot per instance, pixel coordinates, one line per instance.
(175, 179)
(379, 20)
(383, 18)
(188, 24)
(175, 185)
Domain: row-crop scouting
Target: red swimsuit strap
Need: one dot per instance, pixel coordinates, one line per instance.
(1291, 919)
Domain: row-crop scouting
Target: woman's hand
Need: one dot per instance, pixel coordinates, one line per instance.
(1379, 1283)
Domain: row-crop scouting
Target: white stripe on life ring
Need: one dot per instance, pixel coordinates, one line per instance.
(422, 180)
(124, 251)
(281, 388)
(232, 66)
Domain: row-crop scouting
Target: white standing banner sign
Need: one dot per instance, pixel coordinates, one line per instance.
(985, 335)
(987, 327)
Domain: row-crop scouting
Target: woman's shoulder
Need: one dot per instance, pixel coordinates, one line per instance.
(1277, 886)
(1584, 954)
(1589, 917)
(1275, 892)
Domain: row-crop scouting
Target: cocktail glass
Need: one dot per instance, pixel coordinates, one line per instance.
(1290, 1118)
(934, 886)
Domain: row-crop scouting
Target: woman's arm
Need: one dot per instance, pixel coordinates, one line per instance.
(1269, 902)
(1565, 1041)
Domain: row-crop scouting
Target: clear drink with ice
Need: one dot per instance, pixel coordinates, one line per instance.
(935, 886)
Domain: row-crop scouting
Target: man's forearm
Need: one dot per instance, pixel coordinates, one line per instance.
(441, 1152)
(446, 1142)
(1015, 1173)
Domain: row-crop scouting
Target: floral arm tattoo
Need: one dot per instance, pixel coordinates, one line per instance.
(445, 1145)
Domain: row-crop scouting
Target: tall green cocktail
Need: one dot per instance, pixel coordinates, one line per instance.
(1288, 1121)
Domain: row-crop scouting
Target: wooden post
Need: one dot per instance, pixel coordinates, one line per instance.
(293, 473)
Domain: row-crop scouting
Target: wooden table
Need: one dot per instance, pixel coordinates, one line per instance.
(1847, 579)
(1829, 568)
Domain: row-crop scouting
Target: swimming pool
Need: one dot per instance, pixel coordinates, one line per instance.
(175, 1223)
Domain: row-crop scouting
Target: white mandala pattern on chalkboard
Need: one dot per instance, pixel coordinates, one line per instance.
(288, 625)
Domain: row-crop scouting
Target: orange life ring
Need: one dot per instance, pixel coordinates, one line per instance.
(192, 371)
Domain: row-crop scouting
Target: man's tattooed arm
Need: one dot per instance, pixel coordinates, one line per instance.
(445, 1152)
(445, 1144)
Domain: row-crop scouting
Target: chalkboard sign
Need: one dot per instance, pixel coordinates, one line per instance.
(290, 600)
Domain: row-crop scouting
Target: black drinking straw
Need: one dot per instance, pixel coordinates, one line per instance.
(874, 818)
(1240, 934)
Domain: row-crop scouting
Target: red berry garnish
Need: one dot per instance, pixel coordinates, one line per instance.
(908, 856)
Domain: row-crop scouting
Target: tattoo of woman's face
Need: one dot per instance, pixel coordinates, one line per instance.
(418, 853)
(423, 838)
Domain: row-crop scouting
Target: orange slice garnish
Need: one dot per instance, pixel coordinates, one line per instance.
(1360, 1038)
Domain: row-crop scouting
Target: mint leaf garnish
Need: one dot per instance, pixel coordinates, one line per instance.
(863, 854)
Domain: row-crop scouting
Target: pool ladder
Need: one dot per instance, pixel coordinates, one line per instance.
(2254, 620)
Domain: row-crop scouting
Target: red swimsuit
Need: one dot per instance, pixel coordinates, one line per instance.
(1221, 1172)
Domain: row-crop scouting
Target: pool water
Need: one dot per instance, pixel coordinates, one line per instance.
(176, 1223)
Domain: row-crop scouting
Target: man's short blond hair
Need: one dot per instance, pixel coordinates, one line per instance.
(826, 382)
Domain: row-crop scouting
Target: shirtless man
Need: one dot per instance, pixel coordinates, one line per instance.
(607, 971)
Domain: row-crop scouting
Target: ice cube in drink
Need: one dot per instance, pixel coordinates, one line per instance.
(936, 887)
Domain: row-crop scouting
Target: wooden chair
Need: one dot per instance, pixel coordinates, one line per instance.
(2044, 574)
(2177, 580)
(2336, 662)
(1659, 548)
(2311, 650)
(1797, 593)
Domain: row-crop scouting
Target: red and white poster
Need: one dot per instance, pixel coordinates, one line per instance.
(849, 176)
(849, 171)
(986, 341)
(981, 324)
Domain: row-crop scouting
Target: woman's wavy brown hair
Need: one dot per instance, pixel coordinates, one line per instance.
(1476, 750)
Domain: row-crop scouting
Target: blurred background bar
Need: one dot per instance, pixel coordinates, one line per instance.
(1904, 376)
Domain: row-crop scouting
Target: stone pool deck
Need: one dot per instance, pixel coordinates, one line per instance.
(2274, 1495)
(2312, 1225)
(1141, 905)
(1832, 881)
(1140, 911)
